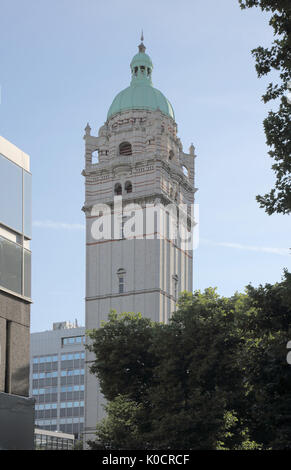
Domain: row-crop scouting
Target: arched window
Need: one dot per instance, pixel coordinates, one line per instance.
(171, 155)
(128, 187)
(118, 189)
(125, 148)
(121, 280)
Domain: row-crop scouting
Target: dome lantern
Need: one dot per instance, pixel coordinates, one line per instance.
(141, 94)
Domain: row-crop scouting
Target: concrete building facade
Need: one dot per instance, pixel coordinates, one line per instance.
(57, 361)
(140, 189)
(15, 289)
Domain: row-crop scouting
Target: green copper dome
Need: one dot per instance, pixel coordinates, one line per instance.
(141, 94)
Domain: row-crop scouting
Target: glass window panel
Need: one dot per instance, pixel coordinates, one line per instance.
(10, 265)
(27, 273)
(10, 194)
(27, 203)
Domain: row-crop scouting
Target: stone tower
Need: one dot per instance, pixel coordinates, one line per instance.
(138, 192)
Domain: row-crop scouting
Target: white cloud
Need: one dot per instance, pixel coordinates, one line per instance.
(57, 225)
(239, 246)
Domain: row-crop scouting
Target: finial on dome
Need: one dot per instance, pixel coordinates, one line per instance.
(141, 47)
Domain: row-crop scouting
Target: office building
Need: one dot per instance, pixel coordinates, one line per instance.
(16, 429)
(57, 378)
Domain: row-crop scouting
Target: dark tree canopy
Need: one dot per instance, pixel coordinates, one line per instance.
(215, 377)
(277, 124)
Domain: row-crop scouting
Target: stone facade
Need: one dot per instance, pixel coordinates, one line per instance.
(15, 325)
(16, 422)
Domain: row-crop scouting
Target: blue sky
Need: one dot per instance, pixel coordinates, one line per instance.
(61, 64)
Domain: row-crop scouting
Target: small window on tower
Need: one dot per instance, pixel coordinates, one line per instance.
(121, 285)
(117, 189)
(128, 187)
(171, 155)
(125, 148)
(121, 280)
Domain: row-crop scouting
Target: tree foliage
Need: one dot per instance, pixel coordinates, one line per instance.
(215, 377)
(268, 373)
(277, 124)
(121, 428)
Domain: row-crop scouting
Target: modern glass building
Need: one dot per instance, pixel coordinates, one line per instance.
(15, 286)
(57, 378)
(15, 268)
(50, 440)
(15, 220)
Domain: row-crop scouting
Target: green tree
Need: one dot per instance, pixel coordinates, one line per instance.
(169, 376)
(197, 379)
(277, 124)
(121, 429)
(214, 377)
(123, 358)
(78, 445)
(268, 374)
